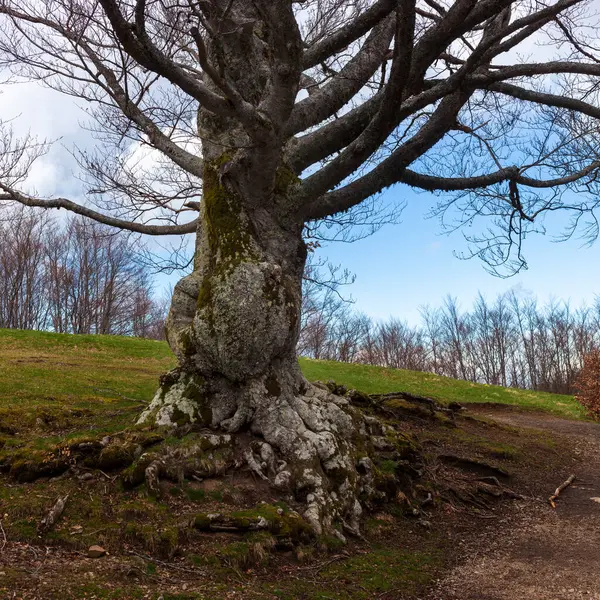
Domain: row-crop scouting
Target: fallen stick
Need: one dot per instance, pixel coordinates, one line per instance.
(4, 540)
(118, 395)
(53, 515)
(559, 489)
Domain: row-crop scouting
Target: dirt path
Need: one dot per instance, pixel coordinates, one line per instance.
(539, 553)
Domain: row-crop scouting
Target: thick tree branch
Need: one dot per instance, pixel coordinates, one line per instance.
(187, 161)
(347, 83)
(285, 42)
(342, 38)
(332, 137)
(462, 16)
(147, 55)
(221, 82)
(112, 86)
(409, 69)
(384, 120)
(390, 170)
(15, 196)
(534, 69)
(545, 98)
(453, 184)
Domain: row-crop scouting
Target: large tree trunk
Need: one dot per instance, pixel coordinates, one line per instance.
(234, 323)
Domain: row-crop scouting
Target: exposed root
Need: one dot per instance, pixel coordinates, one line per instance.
(27, 463)
(285, 524)
(151, 474)
(431, 405)
(456, 488)
(473, 465)
(197, 456)
(312, 446)
(262, 463)
(324, 457)
(378, 401)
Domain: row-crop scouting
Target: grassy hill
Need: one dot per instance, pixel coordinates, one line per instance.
(44, 371)
(59, 391)
(379, 380)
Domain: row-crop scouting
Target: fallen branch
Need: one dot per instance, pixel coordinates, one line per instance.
(53, 515)
(4, 540)
(559, 489)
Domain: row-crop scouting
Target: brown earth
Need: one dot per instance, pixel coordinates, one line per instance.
(461, 545)
(537, 552)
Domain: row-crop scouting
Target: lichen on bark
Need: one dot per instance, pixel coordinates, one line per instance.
(234, 322)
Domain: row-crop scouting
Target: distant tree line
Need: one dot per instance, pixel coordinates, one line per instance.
(73, 276)
(512, 341)
(78, 276)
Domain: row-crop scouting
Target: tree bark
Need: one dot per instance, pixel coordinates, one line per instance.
(234, 322)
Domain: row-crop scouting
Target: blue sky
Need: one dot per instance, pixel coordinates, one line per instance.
(405, 266)
(398, 269)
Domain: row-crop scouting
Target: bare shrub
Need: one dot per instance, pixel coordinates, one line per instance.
(588, 383)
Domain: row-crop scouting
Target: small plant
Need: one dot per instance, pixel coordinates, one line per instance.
(588, 384)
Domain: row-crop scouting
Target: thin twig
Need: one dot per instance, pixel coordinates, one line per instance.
(559, 489)
(4, 540)
(321, 566)
(165, 564)
(119, 395)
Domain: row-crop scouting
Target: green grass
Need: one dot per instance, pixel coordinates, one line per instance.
(65, 383)
(41, 373)
(382, 572)
(38, 365)
(380, 380)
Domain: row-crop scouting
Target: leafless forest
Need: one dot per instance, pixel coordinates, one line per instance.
(74, 277)
(79, 276)
(510, 341)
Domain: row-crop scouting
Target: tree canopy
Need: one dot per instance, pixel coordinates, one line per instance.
(355, 97)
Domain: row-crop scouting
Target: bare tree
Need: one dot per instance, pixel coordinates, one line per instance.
(324, 308)
(104, 285)
(400, 346)
(76, 277)
(508, 342)
(305, 110)
(22, 275)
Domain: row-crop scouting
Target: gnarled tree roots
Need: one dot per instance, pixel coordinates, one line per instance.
(325, 457)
